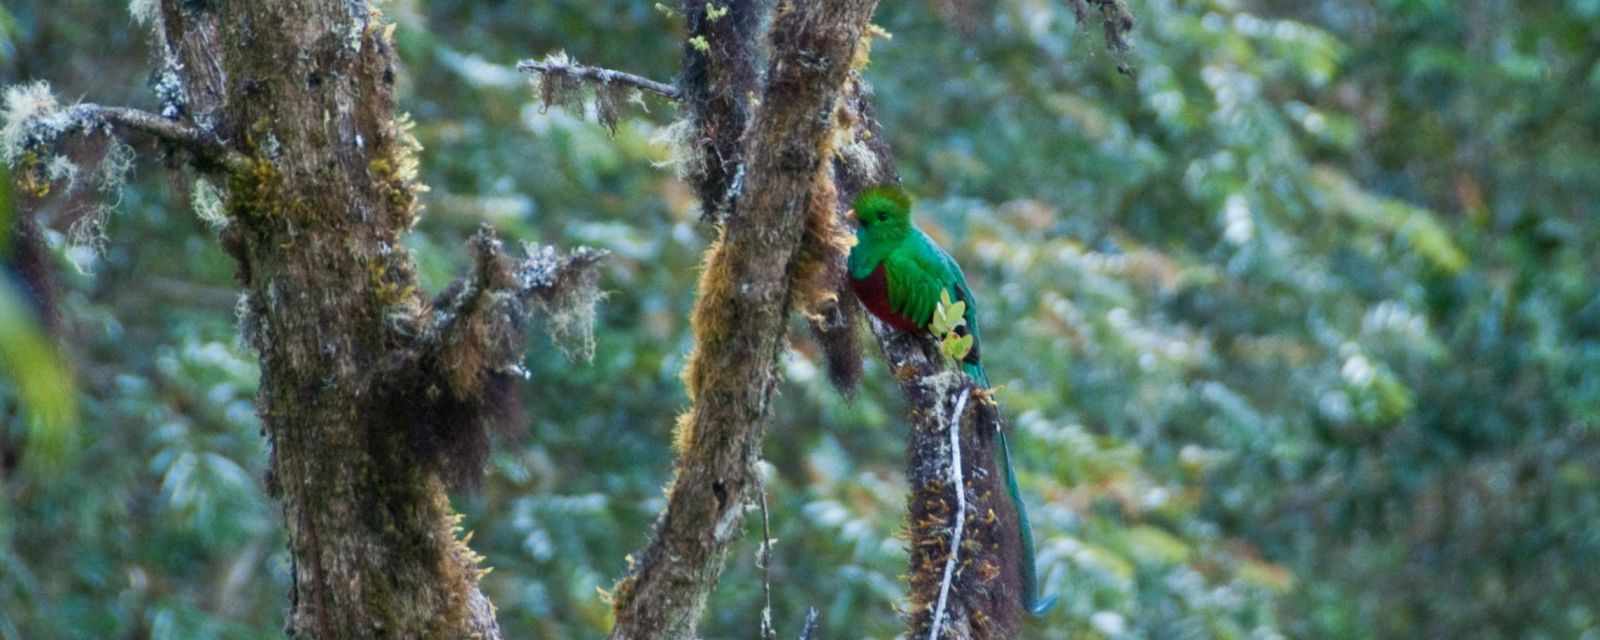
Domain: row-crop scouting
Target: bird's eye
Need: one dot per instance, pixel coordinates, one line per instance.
(883, 216)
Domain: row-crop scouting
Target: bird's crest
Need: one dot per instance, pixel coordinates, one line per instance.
(884, 198)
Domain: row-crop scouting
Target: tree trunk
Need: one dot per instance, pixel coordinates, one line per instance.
(317, 214)
(746, 294)
(718, 84)
(373, 399)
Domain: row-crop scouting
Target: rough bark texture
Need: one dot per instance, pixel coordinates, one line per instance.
(744, 300)
(304, 88)
(372, 398)
(985, 595)
(720, 72)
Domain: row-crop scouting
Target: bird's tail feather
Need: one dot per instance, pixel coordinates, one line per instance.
(975, 370)
(1030, 577)
(1031, 601)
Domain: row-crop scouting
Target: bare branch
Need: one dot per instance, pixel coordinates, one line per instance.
(809, 629)
(586, 73)
(204, 145)
(764, 556)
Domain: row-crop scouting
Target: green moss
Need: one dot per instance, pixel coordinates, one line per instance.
(31, 175)
(395, 168)
(390, 286)
(253, 192)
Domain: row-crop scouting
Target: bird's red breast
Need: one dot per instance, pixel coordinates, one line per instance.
(873, 291)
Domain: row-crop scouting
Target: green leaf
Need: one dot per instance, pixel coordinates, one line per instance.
(948, 315)
(955, 346)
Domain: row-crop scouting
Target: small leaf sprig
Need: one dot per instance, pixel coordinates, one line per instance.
(949, 316)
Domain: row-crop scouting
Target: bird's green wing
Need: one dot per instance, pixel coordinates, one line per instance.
(913, 286)
(934, 260)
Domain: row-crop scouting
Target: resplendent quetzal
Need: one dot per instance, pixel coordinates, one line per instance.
(898, 273)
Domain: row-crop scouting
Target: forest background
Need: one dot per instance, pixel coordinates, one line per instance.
(1298, 325)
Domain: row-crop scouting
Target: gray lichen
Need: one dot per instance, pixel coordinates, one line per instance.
(686, 157)
(62, 170)
(168, 87)
(145, 12)
(207, 201)
(112, 175)
(31, 117)
(569, 301)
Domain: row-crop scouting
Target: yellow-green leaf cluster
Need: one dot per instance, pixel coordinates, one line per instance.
(948, 316)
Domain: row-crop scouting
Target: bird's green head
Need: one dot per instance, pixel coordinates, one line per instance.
(884, 212)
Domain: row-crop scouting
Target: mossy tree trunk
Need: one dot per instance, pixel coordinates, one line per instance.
(304, 90)
(718, 83)
(374, 399)
(746, 293)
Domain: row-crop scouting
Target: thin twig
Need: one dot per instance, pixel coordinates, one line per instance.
(810, 626)
(765, 557)
(961, 512)
(599, 74)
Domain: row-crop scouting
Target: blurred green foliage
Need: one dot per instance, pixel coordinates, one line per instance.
(1299, 327)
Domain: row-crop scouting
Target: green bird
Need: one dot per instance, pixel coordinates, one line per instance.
(898, 272)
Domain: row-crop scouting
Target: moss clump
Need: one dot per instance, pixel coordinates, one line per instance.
(31, 176)
(683, 433)
(395, 168)
(390, 287)
(254, 190)
(713, 321)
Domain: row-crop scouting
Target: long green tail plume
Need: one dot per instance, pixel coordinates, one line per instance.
(976, 371)
(1030, 574)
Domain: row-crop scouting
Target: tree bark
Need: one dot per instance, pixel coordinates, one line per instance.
(373, 399)
(304, 88)
(746, 293)
(719, 81)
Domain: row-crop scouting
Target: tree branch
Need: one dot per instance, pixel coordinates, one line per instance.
(479, 321)
(49, 124)
(206, 147)
(809, 629)
(764, 556)
(566, 68)
(739, 324)
(1116, 24)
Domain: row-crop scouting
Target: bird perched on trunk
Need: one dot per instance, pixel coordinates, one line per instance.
(899, 273)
